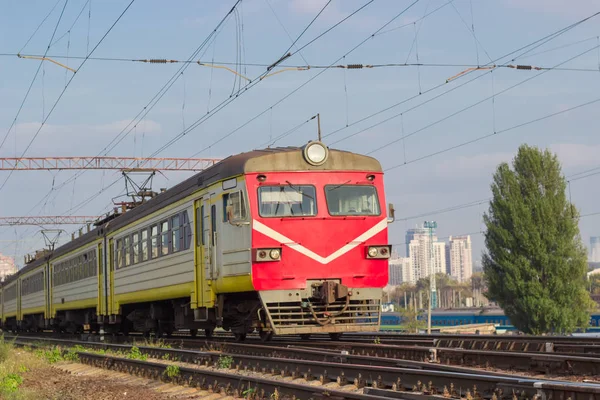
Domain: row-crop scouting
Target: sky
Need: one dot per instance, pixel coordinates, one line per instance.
(433, 135)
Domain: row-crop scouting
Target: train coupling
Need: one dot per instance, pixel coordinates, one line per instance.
(329, 291)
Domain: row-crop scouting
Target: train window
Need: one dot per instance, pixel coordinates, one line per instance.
(154, 240)
(287, 201)
(175, 232)
(352, 200)
(164, 243)
(187, 230)
(144, 245)
(127, 250)
(135, 244)
(234, 207)
(119, 253)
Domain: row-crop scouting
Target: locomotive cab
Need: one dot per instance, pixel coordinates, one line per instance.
(319, 241)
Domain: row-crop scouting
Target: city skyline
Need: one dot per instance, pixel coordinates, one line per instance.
(454, 258)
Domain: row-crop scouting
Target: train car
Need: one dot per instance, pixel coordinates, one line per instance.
(282, 241)
(454, 317)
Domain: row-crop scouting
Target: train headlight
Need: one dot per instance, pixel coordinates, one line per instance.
(263, 255)
(275, 254)
(380, 252)
(316, 153)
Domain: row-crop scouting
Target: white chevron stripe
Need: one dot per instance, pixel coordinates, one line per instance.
(273, 234)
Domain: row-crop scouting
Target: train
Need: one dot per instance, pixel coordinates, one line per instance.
(280, 241)
(466, 316)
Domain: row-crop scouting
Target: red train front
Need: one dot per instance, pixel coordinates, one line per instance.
(319, 240)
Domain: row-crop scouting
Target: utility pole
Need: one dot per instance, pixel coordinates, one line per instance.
(431, 225)
(319, 126)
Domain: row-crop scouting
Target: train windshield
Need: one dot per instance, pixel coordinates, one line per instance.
(345, 200)
(287, 201)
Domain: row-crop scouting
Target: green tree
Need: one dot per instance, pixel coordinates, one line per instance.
(535, 265)
(410, 320)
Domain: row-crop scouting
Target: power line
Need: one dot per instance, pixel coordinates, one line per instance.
(66, 86)
(469, 106)
(156, 98)
(302, 85)
(536, 43)
(35, 75)
(40, 25)
(494, 134)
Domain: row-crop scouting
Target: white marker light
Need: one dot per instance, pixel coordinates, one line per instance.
(316, 153)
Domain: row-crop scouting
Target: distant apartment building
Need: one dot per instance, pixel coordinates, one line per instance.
(459, 257)
(422, 264)
(7, 267)
(595, 249)
(400, 271)
(414, 233)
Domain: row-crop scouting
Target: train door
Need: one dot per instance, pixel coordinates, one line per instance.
(47, 286)
(101, 303)
(202, 256)
(110, 281)
(18, 299)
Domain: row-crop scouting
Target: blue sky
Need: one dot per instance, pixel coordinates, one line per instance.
(105, 96)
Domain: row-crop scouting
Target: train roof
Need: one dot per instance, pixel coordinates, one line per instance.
(265, 160)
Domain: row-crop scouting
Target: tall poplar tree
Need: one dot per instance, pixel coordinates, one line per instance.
(535, 265)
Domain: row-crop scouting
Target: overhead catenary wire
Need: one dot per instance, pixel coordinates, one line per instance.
(529, 46)
(494, 95)
(359, 43)
(14, 121)
(40, 25)
(142, 117)
(226, 102)
(60, 96)
(520, 125)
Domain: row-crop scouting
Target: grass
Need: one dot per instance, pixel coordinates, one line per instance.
(14, 363)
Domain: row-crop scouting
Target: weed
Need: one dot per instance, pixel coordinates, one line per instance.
(5, 348)
(172, 371)
(71, 355)
(53, 355)
(23, 369)
(248, 392)
(160, 343)
(136, 354)
(10, 383)
(377, 340)
(224, 362)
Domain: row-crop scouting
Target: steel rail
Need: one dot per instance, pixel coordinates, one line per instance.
(401, 381)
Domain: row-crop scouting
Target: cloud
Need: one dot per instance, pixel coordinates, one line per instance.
(570, 155)
(576, 155)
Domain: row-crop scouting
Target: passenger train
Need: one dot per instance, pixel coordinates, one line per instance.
(280, 241)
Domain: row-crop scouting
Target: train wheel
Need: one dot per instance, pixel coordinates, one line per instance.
(239, 337)
(265, 336)
(209, 333)
(193, 332)
(305, 336)
(335, 335)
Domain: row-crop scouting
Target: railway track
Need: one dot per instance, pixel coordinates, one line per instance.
(342, 376)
